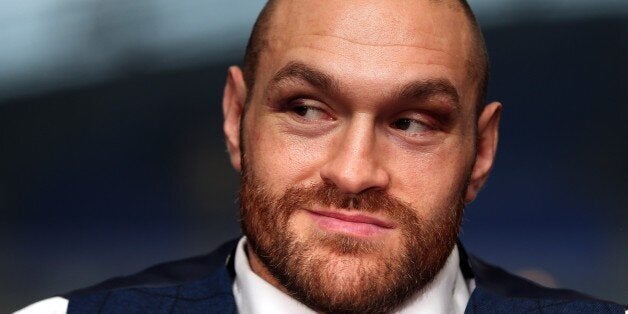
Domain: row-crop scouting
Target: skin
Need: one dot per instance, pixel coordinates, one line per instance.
(426, 151)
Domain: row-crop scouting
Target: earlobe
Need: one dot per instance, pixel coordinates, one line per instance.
(488, 133)
(233, 101)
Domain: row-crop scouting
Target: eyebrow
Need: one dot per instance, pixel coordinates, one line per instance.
(302, 72)
(417, 90)
(425, 89)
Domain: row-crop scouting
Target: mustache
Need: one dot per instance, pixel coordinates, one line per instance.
(327, 194)
(256, 201)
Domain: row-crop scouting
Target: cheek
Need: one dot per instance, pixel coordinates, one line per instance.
(280, 159)
(431, 181)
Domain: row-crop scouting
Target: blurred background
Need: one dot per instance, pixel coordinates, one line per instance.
(112, 157)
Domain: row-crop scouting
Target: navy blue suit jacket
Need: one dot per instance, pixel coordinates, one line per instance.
(203, 284)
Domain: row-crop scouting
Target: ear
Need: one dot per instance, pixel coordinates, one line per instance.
(233, 101)
(488, 132)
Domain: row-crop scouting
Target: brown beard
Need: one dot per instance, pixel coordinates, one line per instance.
(337, 273)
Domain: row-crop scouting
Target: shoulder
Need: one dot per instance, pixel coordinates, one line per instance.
(499, 290)
(189, 285)
(167, 274)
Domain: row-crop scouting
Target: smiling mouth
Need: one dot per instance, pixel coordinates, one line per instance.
(352, 224)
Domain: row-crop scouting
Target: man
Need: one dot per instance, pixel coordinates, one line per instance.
(360, 132)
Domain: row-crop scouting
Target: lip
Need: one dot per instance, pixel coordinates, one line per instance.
(357, 224)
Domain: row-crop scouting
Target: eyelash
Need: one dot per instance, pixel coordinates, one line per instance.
(397, 122)
(293, 104)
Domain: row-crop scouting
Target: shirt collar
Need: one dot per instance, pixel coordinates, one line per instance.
(254, 295)
(447, 293)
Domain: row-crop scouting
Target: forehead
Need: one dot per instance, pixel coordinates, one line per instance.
(371, 41)
(376, 22)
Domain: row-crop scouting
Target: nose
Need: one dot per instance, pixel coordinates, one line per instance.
(354, 164)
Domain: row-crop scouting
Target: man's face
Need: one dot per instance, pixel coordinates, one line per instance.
(359, 149)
